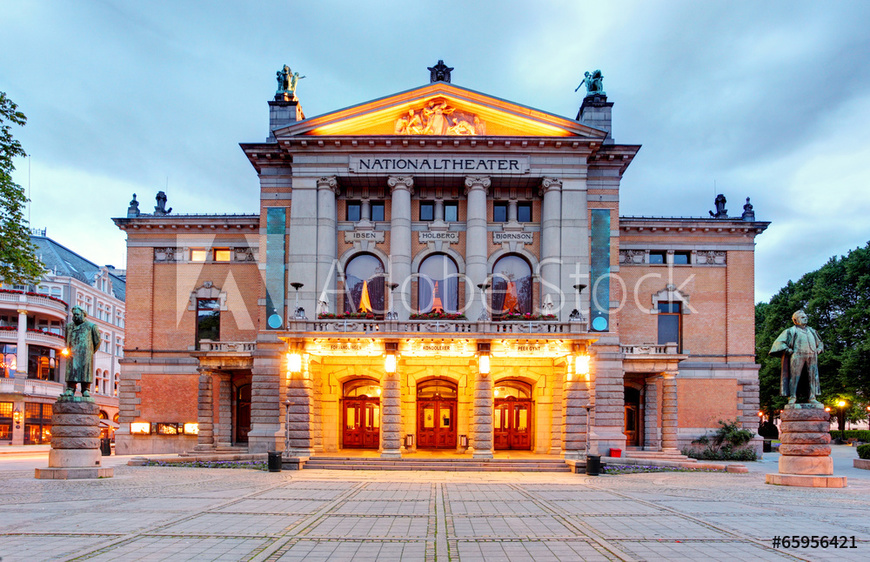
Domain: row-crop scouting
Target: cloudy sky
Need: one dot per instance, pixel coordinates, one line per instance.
(767, 100)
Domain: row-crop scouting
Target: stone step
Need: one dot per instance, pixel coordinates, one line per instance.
(454, 465)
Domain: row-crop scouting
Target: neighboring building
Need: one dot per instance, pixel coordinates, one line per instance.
(32, 324)
(328, 320)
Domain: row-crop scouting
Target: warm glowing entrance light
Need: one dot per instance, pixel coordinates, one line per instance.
(294, 362)
(582, 366)
(483, 364)
(390, 363)
(65, 352)
(841, 403)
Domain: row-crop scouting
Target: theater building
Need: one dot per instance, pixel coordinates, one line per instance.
(437, 270)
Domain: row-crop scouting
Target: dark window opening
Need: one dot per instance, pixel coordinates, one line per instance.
(427, 211)
(657, 257)
(377, 211)
(670, 323)
(354, 211)
(451, 211)
(524, 212)
(682, 258)
(499, 212)
(208, 320)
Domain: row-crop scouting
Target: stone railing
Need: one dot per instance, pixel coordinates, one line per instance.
(650, 349)
(355, 325)
(26, 301)
(37, 387)
(7, 385)
(45, 338)
(227, 346)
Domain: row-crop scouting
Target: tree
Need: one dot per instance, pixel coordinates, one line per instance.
(836, 298)
(18, 261)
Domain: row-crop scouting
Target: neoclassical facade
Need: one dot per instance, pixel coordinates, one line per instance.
(438, 269)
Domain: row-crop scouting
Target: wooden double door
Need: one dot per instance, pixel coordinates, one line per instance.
(361, 423)
(436, 423)
(512, 424)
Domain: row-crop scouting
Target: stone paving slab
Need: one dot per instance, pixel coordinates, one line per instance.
(171, 513)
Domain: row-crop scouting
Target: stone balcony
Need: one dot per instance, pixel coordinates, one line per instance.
(33, 304)
(48, 339)
(463, 328)
(650, 349)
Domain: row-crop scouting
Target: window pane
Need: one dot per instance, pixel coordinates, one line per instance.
(451, 212)
(364, 274)
(427, 211)
(197, 254)
(511, 286)
(222, 255)
(499, 212)
(496, 422)
(429, 417)
(669, 328)
(208, 320)
(681, 258)
(657, 257)
(438, 279)
(524, 212)
(377, 211)
(354, 209)
(669, 307)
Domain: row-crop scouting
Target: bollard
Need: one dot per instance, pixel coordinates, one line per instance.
(274, 461)
(593, 465)
(105, 446)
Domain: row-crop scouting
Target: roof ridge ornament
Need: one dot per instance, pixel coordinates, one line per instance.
(439, 73)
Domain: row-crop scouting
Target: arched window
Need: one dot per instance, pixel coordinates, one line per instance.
(512, 389)
(362, 388)
(511, 286)
(438, 285)
(364, 285)
(440, 388)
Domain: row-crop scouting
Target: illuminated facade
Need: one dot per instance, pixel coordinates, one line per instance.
(437, 269)
(32, 323)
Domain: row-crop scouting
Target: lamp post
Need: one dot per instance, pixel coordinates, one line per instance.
(841, 414)
(575, 315)
(296, 314)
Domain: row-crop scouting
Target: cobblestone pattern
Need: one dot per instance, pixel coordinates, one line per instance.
(151, 513)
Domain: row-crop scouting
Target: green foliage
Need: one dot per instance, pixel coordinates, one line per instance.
(728, 443)
(864, 451)
(836, 298)
(18, 261)
(859, 434)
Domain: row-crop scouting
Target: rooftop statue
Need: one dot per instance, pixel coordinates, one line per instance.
(440, 72)
(721, 211)
(133, 209)
(748, 213)
(594, 83)
(161, 209)
(799, 347)
(287, 80)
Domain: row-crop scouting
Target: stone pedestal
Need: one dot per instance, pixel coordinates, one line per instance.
(75, 442)
(805, 451)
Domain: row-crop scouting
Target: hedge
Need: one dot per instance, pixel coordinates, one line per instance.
(859, 434)
(864, 451)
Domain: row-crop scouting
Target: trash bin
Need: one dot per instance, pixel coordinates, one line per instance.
(767, 446)
(106, 446)
(274, 461)
(593, 465)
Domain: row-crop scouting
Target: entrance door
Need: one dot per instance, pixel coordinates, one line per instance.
(243, 413)
(632, 417)
(362, 423)
(512, 424)
(436, 423)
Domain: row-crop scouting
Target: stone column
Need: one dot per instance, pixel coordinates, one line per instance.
(482, 445)
(21, 352)
(512, 210)
(652, 435)
(576, 394)
(400, 241)
(365, 211)
(224, 428)
(299, 407)
(669, 413)
(391, 418)
(267, 433)
(551, 247)
(205, 412)
(302, 250)
(476, 238)
(327, 239)
(575, 242)
(439, 210)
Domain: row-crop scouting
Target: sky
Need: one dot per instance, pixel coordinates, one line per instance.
(764, 100)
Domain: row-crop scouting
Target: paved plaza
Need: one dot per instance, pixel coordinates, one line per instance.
(156, 513)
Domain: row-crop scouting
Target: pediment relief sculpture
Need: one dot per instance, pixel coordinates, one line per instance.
(439, 118)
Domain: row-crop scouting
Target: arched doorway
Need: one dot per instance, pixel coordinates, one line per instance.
(361, 414)
(512, 416)
(632, 417)
(436, 414)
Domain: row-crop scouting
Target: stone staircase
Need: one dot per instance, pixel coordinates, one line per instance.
(446, 464)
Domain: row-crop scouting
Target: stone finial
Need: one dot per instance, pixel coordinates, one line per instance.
(439, 73)
(721, 211)
(748, 213)
(133, 209)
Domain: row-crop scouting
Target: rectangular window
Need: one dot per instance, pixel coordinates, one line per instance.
(208, 320)
(37, 423)
(5, 421)
(670, 323)
(657, 256)
(354, 211)
(378, 211)
(524, 212)
(499, 212)
(222, 254)
(55, 292)
(682, 258)
(451, 211)
(197, 254)
(427, 211)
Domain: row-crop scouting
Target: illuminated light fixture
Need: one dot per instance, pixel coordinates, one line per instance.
(191, 429)
(16, 416)
(483, 349)
(390, 363)
(760, 413)
(140, 428)
(827, 408)
(65, 352)
(841, 403)
(391, 358)
(581, 366)
(294, 362)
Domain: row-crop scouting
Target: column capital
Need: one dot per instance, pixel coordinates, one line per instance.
(477, 182)
(551, 184)
(328, 182)
(22, 312)
(669, 375)
(401, 182)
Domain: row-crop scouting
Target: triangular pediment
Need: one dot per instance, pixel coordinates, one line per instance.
(440, 109)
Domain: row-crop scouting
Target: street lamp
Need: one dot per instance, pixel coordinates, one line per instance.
(298, 313)
(575, 315)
